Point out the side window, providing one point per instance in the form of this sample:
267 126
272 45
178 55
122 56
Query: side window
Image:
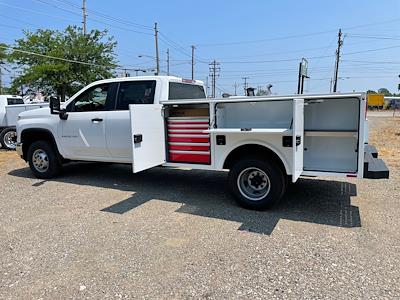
185 91
14 101
94 99
135 92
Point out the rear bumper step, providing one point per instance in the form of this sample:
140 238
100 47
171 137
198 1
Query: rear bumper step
374 167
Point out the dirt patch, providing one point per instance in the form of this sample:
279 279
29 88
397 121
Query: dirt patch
7 155
385 136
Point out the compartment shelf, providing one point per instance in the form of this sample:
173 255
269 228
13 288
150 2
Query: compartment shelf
331 133
252 130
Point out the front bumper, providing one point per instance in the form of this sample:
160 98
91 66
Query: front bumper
19 150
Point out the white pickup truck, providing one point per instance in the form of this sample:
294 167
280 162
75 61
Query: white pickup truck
264 142
10 107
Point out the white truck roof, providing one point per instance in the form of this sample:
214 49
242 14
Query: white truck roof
154 77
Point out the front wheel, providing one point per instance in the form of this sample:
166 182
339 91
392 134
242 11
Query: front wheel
8 138
43 160
256 183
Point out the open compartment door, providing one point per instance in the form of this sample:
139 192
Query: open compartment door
298 138
148 136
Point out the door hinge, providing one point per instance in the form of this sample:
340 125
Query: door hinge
298 140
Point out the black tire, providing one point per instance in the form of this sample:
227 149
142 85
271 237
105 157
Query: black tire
253 173
44 152
5 135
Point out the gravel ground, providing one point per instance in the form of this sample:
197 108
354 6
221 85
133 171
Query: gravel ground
100 231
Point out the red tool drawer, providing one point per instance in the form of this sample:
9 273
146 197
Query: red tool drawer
187 142
184 138
189 146
189 156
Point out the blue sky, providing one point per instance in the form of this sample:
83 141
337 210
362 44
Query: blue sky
262 40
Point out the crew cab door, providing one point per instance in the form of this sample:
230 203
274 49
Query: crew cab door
118 129
82 134
148 136
298 138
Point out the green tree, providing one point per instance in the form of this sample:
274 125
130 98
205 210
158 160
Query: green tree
36 55
3 53
384 91
371 92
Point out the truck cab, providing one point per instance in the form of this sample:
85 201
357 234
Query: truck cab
96 126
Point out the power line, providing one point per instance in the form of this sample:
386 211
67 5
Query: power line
361 36
372 62
17 20
372 50
10 26
92 18
57 58
294 36
103 15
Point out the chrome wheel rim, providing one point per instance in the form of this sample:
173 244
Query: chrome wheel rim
10 139
40 160
254 183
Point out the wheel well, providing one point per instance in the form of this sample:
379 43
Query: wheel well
29 136
253 149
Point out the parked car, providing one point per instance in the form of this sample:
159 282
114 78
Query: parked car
10 107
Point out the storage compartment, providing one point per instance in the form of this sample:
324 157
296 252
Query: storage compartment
331 135
187 141
330 154
265 114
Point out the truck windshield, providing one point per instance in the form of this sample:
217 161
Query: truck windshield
185 91
13 101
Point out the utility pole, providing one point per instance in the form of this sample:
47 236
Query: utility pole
84 16
193 47
236 85
168 61
214 72
340 43
157 54
245 84
1 81
207 88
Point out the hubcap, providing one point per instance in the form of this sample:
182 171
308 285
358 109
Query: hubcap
10 139
253 183
40 160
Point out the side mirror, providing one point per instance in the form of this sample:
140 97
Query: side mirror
55 105
55 108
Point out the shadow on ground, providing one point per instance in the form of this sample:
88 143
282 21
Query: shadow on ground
205 193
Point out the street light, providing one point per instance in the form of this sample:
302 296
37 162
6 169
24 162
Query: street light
149 56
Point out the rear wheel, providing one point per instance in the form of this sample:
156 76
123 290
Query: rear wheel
256 183
44 160
8 138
